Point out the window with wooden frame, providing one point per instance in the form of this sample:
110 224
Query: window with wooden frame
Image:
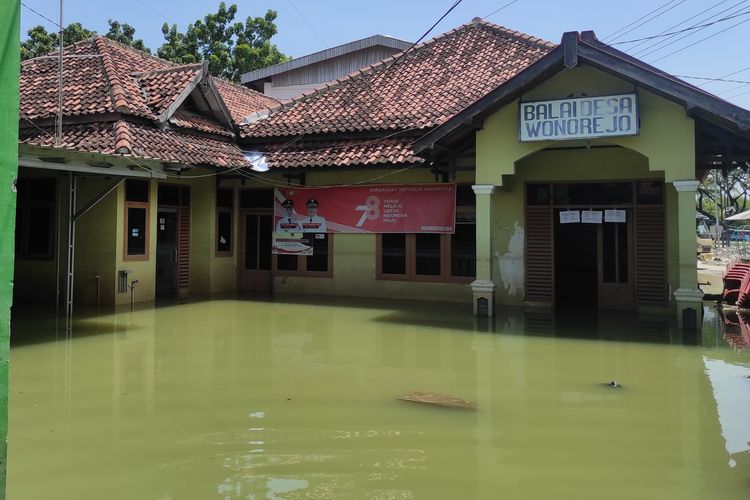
136 219
431 256
35 218
319 264
224 219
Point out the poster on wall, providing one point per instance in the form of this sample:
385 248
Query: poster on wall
591 216
384 208
284 243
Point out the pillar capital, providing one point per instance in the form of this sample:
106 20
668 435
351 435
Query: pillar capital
483 188
686 186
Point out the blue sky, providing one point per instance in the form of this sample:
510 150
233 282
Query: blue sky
339 21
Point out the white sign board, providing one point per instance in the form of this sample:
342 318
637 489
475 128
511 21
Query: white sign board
591 216
570 217
578 118
614 216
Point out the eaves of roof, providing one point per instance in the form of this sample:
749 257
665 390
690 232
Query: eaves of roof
585 48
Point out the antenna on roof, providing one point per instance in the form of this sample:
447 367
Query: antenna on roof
58 127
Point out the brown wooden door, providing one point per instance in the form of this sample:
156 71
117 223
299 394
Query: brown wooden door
255 260
615 268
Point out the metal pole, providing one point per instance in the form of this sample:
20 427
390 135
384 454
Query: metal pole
71 250
58 128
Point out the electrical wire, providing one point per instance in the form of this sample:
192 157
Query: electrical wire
711 79
661 44
639 19
647 21
724 76
681 22
501 8
41 15
701 40
653 37
312 28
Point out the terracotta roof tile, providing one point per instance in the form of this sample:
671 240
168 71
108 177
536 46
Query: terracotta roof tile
145 142
196 122
242 101
161 88
342 153
422 89
101 77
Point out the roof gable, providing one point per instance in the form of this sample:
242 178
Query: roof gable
585 48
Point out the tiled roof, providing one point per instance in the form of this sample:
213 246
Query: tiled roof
192 121
161 88
140 141
344 153
102 78
242 101
420 90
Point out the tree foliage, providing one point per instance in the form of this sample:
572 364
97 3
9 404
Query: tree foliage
231 48
724 193
41 42
125 34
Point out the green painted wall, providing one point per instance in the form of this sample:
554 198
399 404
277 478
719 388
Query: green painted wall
664 149
9 77
96 235
142 270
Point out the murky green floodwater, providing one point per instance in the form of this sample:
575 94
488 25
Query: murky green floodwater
233 399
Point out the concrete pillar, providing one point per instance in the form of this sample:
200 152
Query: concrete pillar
688 295
483 287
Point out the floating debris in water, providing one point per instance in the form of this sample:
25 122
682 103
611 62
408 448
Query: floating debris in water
430 398
614 384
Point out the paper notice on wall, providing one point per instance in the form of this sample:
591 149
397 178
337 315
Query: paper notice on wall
614 216
591 216
570 216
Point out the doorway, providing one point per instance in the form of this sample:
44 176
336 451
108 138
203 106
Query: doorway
256 230
166 253
593 264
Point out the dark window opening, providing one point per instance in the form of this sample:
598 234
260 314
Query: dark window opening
225 198
136 227
35 218
169 194
224 231
136 190
393 254
463 250
256 198
427 254
318 261
286 262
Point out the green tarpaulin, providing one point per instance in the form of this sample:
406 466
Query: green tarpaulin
9 76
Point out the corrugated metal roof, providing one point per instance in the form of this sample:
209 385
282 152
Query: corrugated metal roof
373 41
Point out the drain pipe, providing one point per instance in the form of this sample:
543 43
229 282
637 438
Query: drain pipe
98 280
132 294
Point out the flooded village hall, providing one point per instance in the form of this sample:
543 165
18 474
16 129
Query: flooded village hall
224 293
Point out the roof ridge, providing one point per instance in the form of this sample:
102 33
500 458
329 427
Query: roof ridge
117 92
359 73
143 53
519 35
154 72
123 138
371 68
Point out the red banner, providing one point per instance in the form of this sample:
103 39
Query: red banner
385 208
